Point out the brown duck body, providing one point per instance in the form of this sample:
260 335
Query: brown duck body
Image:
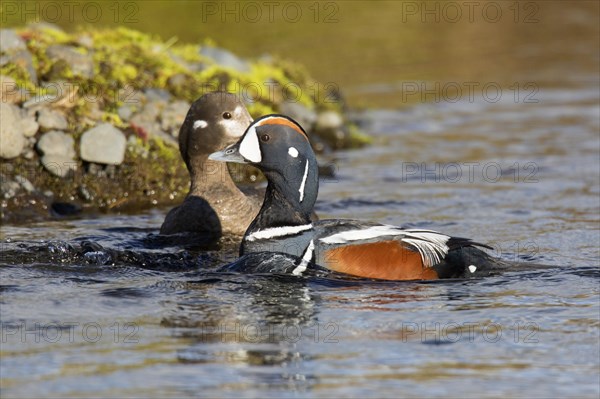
214 204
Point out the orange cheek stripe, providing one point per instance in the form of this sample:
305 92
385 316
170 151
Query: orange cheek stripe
386 260
282 121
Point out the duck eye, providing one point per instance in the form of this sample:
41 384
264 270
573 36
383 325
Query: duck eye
264 138
226 115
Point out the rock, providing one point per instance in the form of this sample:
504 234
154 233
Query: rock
9 91
79 63
152 110
104 144
58 152
328 120
133 101
12 140
86 41
157 95
146 129
56 143
225 58
28 154
10 42
125 112
94 113
59 165
189 65
9 188
24 61
130 96
23 182
26 123
179 81
145 125
57 91
39 101
71 209
51 120
301 113
172 117
29 126
329 127
148 114
98 170
84 193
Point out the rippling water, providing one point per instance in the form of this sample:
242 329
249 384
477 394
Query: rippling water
104 307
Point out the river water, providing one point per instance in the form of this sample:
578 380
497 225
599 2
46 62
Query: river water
103 307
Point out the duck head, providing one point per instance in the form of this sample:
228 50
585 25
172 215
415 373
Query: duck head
214 121
279 147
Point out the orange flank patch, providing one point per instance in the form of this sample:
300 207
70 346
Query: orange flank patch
277 120
386 260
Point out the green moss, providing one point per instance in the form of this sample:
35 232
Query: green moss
52 35
114 119
20 75
188 52
357 137
124 59
165 151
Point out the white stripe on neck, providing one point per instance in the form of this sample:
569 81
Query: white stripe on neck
277 232
305 259
301 189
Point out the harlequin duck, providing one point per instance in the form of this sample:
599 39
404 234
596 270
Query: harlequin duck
214 204
279 147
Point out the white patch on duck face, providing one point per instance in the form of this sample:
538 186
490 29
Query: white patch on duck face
293 152
472 268
301 189
274 232
200 124
249 147
431 245
308 254
237 124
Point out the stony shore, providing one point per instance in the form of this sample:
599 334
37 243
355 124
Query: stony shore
89 120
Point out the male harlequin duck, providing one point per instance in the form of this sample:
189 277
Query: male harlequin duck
279 147
214 203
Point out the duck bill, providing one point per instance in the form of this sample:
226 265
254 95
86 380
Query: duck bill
229 154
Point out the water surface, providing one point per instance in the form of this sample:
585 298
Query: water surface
104 307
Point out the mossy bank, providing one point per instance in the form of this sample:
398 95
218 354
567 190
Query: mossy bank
90 119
